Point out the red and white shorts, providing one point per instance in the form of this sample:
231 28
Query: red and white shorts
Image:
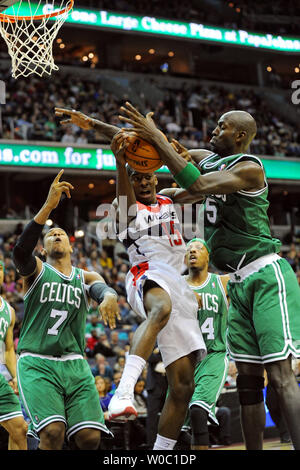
182 334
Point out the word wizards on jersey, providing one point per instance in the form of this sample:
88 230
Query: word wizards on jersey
237 228
155 235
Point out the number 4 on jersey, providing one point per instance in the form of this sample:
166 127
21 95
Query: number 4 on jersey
208 328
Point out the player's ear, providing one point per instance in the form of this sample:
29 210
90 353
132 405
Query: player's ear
155 180
241 136
44 252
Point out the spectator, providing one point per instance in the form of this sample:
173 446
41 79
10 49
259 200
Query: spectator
104 396
95 325
105 260
231 375
119 365
101 367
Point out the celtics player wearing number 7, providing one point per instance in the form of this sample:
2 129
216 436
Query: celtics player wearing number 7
55 381
11 416
263 316
211 372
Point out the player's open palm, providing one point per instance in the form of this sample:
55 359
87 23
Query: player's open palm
75 117
109 310
143 126
56 189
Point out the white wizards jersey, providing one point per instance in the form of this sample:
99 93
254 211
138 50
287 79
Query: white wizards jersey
154 235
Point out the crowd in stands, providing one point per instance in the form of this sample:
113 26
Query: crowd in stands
188 114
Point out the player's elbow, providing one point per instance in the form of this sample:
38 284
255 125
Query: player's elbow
197 188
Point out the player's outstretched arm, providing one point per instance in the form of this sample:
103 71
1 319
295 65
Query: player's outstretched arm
194 155
174 155
247 176
85 122
125 193
28 265
105 296
181 196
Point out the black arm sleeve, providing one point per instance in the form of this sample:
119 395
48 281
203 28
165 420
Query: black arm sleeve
98 289
23 258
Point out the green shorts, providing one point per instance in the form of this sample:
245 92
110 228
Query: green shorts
264 315
210 376
10 406
59 390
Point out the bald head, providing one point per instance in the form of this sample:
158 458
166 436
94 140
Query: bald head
234 133
242 121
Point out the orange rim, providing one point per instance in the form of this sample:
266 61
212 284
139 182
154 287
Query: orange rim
13 19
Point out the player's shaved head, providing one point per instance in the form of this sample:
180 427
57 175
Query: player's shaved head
242 121
234 132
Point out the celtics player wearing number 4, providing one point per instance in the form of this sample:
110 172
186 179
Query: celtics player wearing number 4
11 416
55 381
263 317
210 373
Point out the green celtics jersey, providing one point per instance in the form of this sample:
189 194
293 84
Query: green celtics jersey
5 321
237 228
212 315
56 307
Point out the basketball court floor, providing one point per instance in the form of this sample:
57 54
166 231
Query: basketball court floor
269 444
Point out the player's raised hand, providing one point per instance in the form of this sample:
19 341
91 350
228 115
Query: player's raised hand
118 145
56 189
109 310
74 117
143 126
181 150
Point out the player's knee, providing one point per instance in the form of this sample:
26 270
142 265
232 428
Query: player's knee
19 430
182 389
280 375
160 313
87 439
250 389
53 436
200 435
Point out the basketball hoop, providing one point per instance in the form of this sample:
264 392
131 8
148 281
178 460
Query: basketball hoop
30 37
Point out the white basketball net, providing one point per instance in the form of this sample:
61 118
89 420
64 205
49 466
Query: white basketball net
30 40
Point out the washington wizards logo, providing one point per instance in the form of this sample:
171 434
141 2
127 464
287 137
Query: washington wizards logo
222 167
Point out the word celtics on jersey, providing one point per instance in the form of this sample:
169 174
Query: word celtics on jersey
236 225
56 307
5 321
212 315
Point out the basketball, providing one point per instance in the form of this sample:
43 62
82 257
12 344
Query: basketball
142 156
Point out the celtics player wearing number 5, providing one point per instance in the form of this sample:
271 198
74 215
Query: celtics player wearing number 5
263 316
11 416
210 373
55 381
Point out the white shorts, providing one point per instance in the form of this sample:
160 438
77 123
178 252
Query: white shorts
181 335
